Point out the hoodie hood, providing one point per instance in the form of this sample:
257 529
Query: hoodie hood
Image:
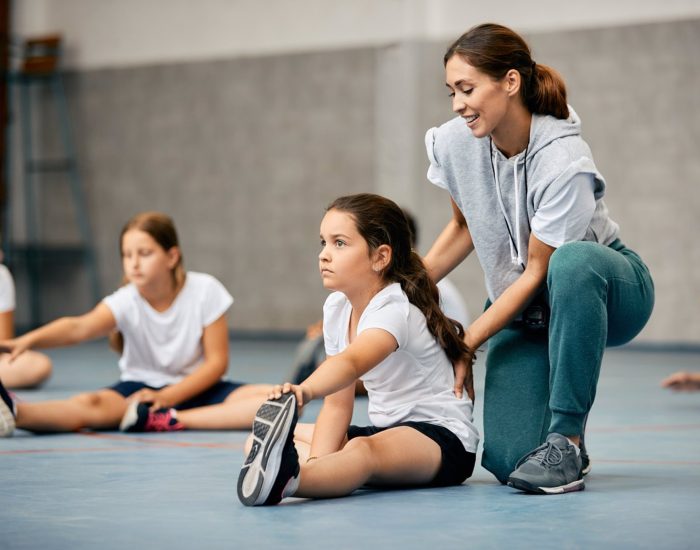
499 197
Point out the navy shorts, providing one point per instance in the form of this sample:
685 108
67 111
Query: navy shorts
457 463
213 396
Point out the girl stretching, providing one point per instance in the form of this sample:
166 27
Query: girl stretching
383 325
174 341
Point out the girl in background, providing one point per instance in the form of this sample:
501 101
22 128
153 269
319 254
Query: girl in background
32 368
175 349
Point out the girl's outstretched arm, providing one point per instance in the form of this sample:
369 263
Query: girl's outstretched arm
369 348
209 372
65 331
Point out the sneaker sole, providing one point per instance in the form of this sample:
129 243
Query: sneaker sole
523 485
7 420
270 430
587 469
130 417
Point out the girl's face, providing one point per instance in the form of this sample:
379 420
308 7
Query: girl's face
479 99
146 264
345 261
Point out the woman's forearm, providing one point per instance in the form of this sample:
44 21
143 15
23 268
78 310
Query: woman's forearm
503 310
450 249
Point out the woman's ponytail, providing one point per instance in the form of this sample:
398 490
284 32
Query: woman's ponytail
546 92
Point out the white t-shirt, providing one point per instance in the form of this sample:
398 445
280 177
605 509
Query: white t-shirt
416 381
7 290
161 348
451 302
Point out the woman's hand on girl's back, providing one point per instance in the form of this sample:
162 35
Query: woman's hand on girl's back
464 377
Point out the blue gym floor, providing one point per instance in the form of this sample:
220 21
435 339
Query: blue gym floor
111 490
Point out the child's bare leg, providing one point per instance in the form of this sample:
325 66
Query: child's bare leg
30 369
102 409
399 456
235 413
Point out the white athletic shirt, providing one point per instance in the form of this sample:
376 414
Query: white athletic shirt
161 348
416 381
451 302
7 290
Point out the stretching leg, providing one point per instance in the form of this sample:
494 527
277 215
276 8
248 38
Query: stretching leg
236 412
100 410
399 456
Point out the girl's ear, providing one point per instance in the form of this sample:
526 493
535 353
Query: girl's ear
173 256
512 82
382 258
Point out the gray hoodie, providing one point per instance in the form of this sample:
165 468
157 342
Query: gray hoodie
501 217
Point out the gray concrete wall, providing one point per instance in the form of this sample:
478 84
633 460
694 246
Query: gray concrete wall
245 153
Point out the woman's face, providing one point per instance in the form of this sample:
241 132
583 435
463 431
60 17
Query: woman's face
478 98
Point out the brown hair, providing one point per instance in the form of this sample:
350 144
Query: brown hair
380 221
162 229
494 49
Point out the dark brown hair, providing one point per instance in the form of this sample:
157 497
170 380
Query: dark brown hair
162 229
380 221
494 49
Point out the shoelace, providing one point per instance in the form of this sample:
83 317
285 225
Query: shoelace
549 454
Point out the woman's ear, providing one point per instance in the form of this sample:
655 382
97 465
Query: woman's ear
513 81
382 258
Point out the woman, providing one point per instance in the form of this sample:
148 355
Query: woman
527 197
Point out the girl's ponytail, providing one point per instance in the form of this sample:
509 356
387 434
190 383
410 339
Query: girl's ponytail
423 293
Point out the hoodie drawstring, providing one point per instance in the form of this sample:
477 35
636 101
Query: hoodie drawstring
515 253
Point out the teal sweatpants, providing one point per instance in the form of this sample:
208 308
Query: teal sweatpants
538 382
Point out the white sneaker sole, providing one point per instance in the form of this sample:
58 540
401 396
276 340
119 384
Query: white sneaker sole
130 416
7 420
521 485
270 430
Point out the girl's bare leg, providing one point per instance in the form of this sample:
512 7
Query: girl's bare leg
28 370
236 412
98 410
398 456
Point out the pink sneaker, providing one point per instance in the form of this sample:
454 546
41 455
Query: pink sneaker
138 418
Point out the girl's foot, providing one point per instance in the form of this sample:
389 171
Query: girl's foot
271 470
7 413
139 418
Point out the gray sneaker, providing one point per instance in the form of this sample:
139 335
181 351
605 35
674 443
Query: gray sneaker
585 459
552 468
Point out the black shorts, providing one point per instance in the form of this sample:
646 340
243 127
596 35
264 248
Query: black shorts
213 396
457 463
